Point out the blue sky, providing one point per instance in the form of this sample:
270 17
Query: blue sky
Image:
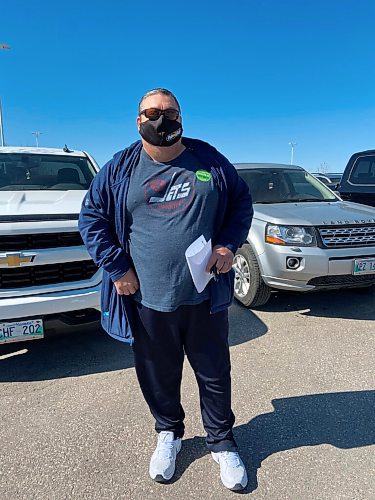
250 75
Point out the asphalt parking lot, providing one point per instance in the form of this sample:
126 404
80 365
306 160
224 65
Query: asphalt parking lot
74 424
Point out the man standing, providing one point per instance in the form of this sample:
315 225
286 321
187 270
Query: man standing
143 209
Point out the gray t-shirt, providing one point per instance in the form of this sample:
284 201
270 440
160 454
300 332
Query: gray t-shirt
169 205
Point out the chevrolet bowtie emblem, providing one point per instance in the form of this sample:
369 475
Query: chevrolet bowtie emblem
15 259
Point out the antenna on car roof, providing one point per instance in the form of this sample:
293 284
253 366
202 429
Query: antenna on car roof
67 150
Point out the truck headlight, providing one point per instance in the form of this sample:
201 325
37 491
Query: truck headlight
290 235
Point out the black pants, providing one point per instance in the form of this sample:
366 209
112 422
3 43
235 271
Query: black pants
160 341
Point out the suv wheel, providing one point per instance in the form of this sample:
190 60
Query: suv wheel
249 287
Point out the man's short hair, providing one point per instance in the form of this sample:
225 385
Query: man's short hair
155 92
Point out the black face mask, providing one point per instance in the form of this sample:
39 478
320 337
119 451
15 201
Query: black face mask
161 132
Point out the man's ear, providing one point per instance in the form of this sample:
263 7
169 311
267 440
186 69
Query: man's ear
138 122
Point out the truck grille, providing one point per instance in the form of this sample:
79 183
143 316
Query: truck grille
342 280
64 272
16 242
347 236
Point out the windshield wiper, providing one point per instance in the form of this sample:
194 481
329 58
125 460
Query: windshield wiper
302 200
297 200
265 202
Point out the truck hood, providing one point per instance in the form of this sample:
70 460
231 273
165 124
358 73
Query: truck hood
315 213
40 202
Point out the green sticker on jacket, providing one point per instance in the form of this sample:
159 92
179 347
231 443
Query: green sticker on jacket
203 175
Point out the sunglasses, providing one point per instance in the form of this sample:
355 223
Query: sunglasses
155 113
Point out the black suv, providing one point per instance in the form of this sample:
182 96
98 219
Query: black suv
358 181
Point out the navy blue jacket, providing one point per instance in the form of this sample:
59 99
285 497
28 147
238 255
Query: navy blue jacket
102 224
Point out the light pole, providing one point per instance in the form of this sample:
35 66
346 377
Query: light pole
2 46
37 134
1 125
292 144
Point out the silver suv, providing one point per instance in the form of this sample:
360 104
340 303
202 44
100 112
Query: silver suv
303 237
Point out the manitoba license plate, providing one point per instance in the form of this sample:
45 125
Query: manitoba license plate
21 330
364 266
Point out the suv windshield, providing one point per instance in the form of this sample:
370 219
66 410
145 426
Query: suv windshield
278 185
27 172
363 171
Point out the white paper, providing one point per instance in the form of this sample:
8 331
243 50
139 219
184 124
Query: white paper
197 256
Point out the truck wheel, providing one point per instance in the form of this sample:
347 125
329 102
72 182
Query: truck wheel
249 287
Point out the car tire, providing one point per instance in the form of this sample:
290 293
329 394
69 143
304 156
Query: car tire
249 287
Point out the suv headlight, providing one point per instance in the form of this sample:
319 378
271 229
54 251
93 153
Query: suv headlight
290 235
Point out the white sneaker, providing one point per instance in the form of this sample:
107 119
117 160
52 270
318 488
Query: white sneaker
232 470
163 460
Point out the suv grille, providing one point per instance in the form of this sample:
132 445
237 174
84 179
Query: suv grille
343 280
347 236
22 277
16 242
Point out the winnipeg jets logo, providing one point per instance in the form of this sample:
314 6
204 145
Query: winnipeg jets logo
175 192
171 196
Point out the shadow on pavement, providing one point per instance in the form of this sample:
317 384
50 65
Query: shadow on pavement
345 303
73 355
343 419
85 353
244 325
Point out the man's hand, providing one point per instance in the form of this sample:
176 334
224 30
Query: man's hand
222 257
128 284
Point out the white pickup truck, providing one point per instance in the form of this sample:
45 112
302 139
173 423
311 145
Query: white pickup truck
48 282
